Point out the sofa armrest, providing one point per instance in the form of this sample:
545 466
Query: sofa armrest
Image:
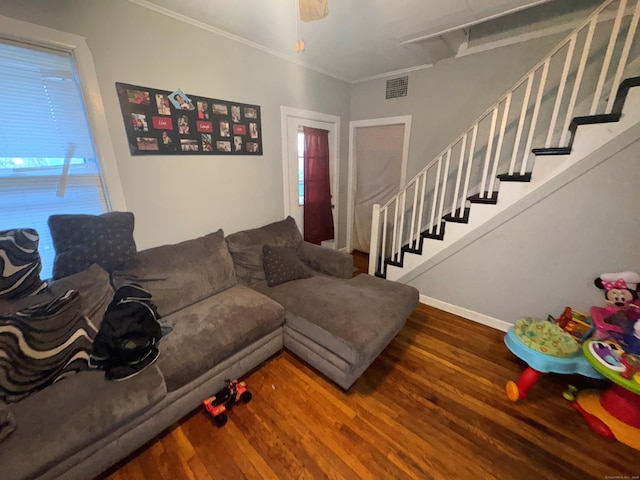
326 260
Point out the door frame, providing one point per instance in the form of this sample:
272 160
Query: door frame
351 187
333 125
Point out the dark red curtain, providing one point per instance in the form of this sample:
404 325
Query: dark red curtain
318 217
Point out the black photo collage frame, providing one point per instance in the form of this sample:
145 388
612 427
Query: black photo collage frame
202 126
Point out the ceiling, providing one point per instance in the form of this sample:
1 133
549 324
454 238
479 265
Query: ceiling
358 40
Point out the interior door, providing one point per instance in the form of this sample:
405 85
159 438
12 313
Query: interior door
378 159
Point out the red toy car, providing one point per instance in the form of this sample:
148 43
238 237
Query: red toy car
225 399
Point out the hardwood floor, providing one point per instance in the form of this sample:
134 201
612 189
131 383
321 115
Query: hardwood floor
432 406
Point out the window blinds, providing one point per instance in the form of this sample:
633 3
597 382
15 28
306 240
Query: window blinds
42 117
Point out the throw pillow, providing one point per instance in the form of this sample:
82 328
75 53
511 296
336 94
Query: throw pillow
42 344
281 264
82 240
20 264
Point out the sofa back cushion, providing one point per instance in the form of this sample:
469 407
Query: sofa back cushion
182 274
246 247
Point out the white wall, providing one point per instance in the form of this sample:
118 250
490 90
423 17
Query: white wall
447 98
179 197
547 257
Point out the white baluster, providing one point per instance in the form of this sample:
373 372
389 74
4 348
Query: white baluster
534 116
607 56
401 229
375 239
435 197
503 127
560 93
578 81
523 114
465 190
456 190
487 159
445 177
633 25
413 216
421 211
395 229
383 254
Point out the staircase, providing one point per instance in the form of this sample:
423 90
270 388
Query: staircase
567 106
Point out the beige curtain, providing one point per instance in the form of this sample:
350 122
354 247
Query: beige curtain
378 165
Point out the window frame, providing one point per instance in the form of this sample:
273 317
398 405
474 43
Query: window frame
28 33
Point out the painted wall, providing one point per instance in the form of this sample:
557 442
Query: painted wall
175 197
445 99
547 257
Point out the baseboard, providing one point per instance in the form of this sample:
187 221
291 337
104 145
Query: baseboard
470 314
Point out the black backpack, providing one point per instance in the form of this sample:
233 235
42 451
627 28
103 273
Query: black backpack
127 340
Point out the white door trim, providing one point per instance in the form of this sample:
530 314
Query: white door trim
287 113
351 187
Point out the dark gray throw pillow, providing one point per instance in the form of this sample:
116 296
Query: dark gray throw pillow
82 240
281 264
20 264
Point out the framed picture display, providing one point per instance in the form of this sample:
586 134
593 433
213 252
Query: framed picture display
162 122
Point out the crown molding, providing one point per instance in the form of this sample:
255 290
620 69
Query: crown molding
236 38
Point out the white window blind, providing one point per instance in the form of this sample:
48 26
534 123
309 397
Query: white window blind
42 120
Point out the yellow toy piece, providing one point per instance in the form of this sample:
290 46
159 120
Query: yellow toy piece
513 393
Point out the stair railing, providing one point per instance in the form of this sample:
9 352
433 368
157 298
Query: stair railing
444 185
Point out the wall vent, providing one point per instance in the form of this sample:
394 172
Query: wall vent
397 87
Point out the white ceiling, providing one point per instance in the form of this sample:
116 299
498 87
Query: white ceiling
359 39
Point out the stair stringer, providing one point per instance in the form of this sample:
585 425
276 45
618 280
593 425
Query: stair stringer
549 174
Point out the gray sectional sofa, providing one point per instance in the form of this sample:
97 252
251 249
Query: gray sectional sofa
225 321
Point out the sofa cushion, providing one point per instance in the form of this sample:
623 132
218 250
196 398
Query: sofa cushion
246 247
206 333
281 264
63 419
81 240
20 264
182 274
94 288
7 422
351 318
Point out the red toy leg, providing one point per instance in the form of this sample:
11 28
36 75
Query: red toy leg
526 381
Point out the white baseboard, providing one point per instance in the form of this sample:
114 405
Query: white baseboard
470 314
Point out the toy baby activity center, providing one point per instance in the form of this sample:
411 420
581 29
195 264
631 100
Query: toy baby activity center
603 345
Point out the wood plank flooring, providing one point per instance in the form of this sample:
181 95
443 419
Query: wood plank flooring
432 406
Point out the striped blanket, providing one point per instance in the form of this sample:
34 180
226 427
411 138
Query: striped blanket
42 344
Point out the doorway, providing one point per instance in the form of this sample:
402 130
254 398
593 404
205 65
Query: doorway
378 154
293 121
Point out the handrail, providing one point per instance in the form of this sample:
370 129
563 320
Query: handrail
555 50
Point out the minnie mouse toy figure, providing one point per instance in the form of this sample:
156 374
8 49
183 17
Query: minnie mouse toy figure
621 318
